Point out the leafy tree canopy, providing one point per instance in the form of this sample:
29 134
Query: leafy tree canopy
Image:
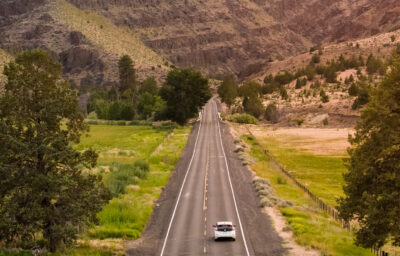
127 74
372 190
185 92
228 90
42 187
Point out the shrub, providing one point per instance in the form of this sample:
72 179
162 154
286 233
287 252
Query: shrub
325 121
271 113
315 59
324 97
242 118
393 38
300 122
284 94
353 90
92 115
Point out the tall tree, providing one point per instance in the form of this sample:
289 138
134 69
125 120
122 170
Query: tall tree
185 92
372 190
127 75
228 90
42 186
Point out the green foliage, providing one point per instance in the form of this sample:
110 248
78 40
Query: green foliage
353 89
372 187
283 78
253 106
393 38
242 118
42 187
148 104
228 90
284 94
250 89
150 86
184 92
122 175
127 74
363 89
375 65
330 74
271 113
316 59
324 96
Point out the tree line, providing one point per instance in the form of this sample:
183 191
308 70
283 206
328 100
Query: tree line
46 197
178 99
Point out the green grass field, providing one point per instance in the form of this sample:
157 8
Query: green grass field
321 173
127 214
311 227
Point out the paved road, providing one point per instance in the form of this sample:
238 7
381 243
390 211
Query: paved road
206 196
209 184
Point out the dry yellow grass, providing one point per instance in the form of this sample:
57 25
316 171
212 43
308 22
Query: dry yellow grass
4 58
101 32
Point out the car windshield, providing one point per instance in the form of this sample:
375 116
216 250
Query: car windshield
224 228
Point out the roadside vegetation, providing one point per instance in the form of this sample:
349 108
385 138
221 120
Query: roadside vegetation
311 227
117 169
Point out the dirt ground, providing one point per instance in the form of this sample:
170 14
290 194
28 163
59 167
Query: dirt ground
318 141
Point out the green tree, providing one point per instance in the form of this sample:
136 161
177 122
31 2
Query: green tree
253 106
250 89
184 92
148 104
271 113
372 187
127 74
43 189
228 90
353 90
150 86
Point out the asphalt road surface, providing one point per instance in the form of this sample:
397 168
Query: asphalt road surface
209 185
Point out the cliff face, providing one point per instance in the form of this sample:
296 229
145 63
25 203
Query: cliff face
238 37
218 37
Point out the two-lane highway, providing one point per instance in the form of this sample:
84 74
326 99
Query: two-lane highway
206 196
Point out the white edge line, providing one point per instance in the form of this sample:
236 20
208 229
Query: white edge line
230 183
180 192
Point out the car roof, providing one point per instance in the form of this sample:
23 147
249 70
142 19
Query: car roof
224 223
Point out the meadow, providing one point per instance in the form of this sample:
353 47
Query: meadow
135 162
311 227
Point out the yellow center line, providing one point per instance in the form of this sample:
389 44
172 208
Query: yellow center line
205 199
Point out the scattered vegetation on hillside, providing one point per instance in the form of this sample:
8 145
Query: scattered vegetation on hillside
101 32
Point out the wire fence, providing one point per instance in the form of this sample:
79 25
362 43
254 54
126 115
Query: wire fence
321 204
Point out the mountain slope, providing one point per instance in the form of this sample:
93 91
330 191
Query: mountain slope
241 36
218 37
87 44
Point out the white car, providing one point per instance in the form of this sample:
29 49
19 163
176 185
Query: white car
224 230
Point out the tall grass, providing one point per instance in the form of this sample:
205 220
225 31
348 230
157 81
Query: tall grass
311 227
127 214
122 175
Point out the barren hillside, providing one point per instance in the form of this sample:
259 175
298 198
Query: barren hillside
218 37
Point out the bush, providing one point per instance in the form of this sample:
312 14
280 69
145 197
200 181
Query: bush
324 97
353 90
271 113
242 119
325 122
315 59
92 115
284 94
253 106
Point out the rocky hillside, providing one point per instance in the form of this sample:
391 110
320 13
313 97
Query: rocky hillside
241 36
219 37
86 43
